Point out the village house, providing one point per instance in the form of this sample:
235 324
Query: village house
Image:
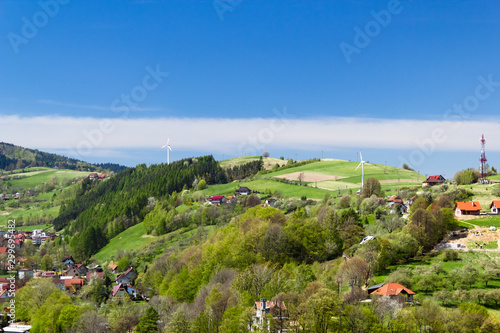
270 202
395 203
217 200
94 275
73 285
467 208
25 273
127 277
392 289
76 270
68 261
276 309
243 191
495 207
122 290
434 180
112 267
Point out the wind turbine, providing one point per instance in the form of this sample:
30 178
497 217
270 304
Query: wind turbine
167 146
362 163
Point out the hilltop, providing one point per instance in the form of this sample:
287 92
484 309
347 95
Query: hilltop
15 157
315 178
269 162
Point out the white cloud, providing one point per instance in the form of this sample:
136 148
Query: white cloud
91 136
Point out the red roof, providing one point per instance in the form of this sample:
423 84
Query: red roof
217 197
435 177
494 202
471 206
125 273
392 289
271 305
3 249
395 198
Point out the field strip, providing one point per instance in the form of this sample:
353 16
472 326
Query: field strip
308 177
400 181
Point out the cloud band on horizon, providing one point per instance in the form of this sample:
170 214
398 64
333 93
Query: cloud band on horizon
84 135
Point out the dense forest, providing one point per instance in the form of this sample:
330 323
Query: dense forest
101 210
14 157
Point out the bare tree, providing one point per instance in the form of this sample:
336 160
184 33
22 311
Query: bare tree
300 177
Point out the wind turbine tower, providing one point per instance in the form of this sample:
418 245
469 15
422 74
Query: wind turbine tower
483 171
362 163
167 146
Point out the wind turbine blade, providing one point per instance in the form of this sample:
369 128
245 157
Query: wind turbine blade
168 141
169 148
358 166
360 156
163 146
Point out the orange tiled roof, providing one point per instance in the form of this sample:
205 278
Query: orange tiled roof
392 288
469 206
496 203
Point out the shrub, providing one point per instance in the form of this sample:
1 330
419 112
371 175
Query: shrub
451 255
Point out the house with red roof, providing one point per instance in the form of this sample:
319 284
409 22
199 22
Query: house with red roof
217 200
433 180
126 277
263 308
495 207
467 208
393 289
123 290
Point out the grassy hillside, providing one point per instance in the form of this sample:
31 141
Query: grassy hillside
347 170
263 185
135 238
29 178
46 184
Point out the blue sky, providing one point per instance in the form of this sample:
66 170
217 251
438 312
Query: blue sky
111 80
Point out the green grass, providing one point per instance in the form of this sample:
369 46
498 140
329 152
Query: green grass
23 213
47 227
29 180
347 169
132 239
126 240
489 221
263 185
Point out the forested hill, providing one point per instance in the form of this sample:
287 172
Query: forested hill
15 157
101 210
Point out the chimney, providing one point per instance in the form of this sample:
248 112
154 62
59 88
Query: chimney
473 204
262 304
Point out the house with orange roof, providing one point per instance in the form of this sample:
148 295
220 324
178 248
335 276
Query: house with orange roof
73 285
467 208
495 207
393 289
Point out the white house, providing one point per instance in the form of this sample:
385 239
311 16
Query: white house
495 207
